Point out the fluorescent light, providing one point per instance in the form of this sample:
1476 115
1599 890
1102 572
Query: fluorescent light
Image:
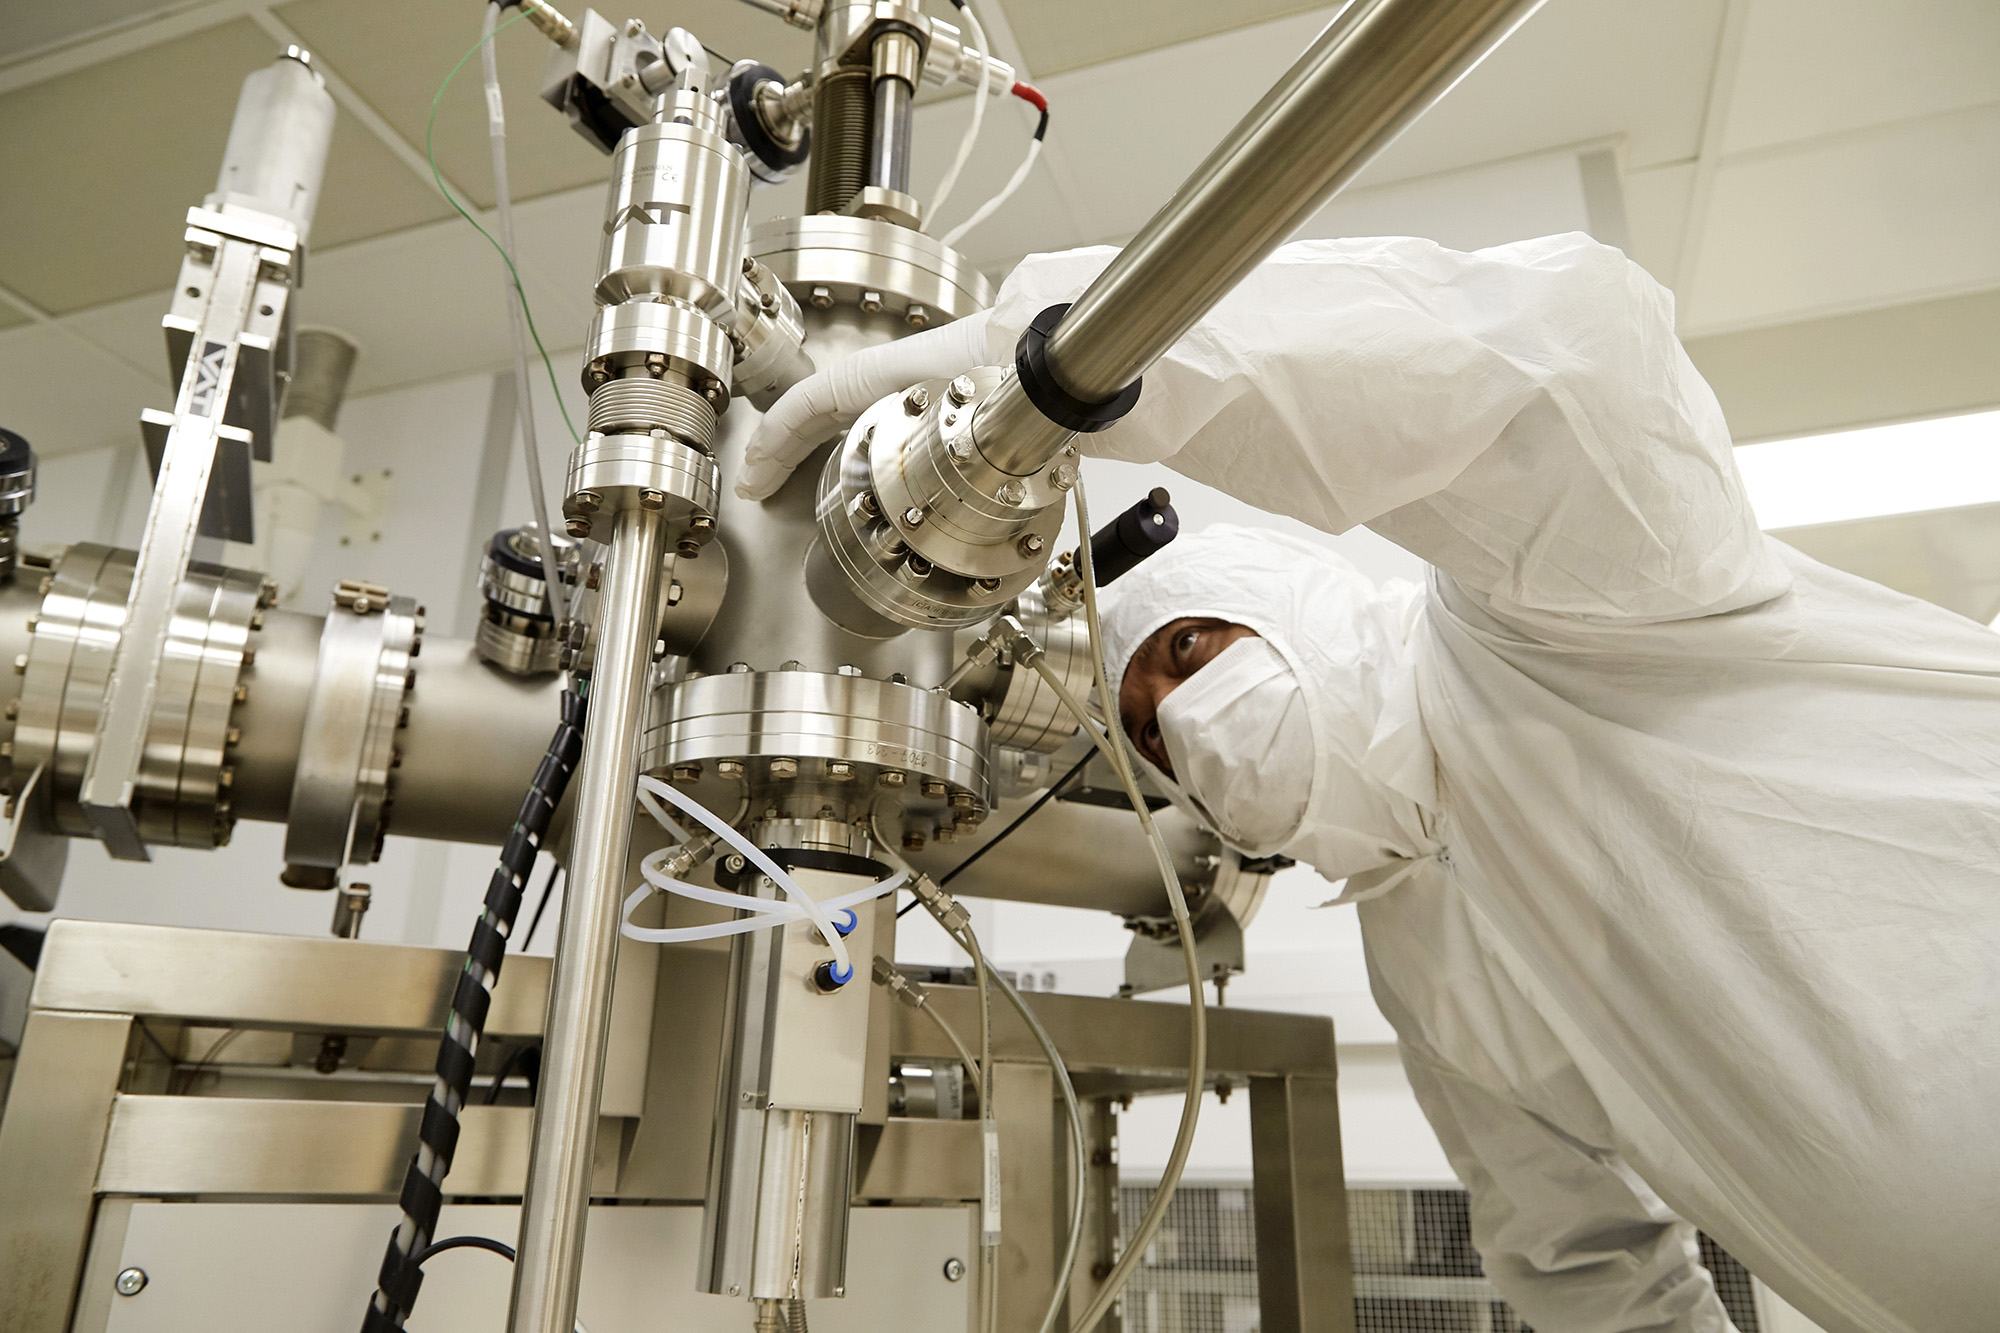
1944 463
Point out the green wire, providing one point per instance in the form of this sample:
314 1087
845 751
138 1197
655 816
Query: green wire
430 151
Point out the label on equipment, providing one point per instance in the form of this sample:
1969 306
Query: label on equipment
989 1206
207 379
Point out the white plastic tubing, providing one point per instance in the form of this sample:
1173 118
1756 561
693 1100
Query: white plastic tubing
764 913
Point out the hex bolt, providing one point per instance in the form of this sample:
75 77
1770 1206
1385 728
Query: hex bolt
918 317
225 777
791 664
1063 477
1031 544
13 709
916 400
784 768
688 548
913 842
768 303
652 501
1011 493
702 525
871 303
961 800
913 516
987 585
256 621
934 789
232 738
687 772
845 670
588 502
729 768
839 769
870 505
130 1282
893 778
961 448
738 668
920 567
960 390
20 664
577 527
820 298
594 575
749 266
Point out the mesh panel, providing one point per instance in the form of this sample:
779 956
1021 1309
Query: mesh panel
1415 1270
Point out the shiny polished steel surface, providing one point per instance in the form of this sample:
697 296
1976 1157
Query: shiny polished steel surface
769 337
344 784
917 529
182 791
769 617
681 476
807 744
790 1081
1378 66
550 1249
227 333
910 274
1024 712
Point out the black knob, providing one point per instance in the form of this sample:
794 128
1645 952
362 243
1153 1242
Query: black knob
1118 547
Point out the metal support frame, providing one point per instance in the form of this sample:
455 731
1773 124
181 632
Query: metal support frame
86 1125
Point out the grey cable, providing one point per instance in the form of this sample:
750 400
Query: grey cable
1112 741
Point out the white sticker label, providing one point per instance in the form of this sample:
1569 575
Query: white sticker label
989 1211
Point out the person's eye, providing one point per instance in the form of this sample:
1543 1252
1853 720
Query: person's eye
1184 645
1149 735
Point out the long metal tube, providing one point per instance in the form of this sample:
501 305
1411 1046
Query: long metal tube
889 145
549 1262
1377 67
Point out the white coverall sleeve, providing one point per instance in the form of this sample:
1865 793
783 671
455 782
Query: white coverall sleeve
1570 1235
1523 418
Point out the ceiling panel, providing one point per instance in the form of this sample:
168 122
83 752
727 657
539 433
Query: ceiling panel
1906 212
120 152
396 54
26 26
1060 35
1816 67
1656 204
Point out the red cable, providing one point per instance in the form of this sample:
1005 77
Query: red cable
1033 96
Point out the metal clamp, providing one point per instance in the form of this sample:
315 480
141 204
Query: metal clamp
344 787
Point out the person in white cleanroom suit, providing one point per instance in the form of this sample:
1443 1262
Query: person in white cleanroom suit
1678 854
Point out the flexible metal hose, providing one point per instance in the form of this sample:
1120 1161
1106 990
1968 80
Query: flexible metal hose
437 1135
838 168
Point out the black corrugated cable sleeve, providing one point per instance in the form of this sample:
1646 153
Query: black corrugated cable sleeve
437 1135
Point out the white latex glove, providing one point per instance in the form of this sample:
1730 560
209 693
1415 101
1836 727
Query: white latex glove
829 400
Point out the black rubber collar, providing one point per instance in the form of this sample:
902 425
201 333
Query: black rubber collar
1058 404
743 83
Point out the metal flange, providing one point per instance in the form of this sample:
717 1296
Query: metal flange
344 787
791 744
917 530
181 796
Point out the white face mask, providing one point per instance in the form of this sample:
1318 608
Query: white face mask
1242 746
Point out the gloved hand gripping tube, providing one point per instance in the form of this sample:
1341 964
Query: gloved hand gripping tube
437 1134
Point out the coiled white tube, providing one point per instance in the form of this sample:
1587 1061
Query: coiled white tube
764 912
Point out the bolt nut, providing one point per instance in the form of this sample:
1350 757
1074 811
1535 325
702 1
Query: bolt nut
1011 493
586 502
913 517
577 527
987 585
839 769
918 317
961 800
893 778
729 768
1063 477
784 768
960 448
870 505
688 548
916 400
701 525
652 500
934 789
913 842
871 302
845 670
687 772
820 298
960 390
1031 544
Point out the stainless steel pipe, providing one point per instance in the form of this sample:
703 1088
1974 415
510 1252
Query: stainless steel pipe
549 1257
1378 66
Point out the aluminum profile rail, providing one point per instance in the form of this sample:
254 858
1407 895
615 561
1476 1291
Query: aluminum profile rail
1377 67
